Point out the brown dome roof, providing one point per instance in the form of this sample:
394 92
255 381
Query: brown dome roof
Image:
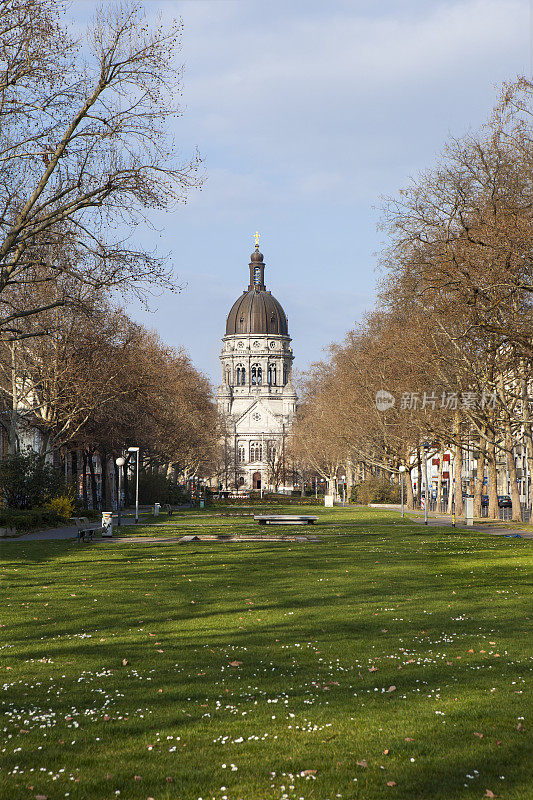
256 311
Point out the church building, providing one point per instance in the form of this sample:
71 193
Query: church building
256 398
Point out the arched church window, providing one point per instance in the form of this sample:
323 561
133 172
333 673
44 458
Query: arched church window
284 374
242 454
271 374
228 376
240 375
256 375
273 325
255 451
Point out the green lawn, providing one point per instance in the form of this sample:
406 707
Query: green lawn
388 661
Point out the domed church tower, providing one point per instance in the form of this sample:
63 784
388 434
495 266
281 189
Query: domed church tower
256 397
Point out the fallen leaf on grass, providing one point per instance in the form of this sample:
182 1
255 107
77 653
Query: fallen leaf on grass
235 663
391 783
41 797
391 689
159 650
362 763
520 727
408 739
137 778
309 772
386 752
488 793
125 662
372 669
479 735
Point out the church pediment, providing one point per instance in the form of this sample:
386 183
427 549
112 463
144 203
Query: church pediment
258 418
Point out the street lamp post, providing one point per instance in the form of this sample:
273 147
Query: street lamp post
316 488
136 450
343 479
426 448
120 461
401 470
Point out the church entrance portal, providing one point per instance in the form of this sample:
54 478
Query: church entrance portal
256 478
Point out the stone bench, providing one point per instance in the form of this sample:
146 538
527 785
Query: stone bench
284 519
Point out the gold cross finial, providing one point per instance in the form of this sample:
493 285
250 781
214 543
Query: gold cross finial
257 235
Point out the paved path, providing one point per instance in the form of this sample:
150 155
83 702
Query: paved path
67 532
444 521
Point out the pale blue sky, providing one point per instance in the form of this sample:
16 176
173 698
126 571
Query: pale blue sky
306 113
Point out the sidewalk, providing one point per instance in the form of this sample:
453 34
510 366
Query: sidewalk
444 521
67 532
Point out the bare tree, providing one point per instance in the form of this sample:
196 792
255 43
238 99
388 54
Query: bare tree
84 152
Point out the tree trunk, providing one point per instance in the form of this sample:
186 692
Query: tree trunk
457 476
409 489
94 488
493 480
439 482
480 474
85 499
117 493
126 482
528 441
105 482
511 466
419 478
349 479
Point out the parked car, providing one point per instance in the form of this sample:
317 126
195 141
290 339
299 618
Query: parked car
504 501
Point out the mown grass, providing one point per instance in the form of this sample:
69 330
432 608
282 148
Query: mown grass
405 649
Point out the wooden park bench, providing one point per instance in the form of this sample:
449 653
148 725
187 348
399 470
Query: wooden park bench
85 529
285 519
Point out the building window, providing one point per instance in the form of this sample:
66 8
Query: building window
242 454
228 377
272 452
271 374
255 451
256 375
241 375
284 374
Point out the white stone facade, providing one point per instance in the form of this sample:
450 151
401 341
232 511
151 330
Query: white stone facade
256 398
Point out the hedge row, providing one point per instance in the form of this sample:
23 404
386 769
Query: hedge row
29 519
